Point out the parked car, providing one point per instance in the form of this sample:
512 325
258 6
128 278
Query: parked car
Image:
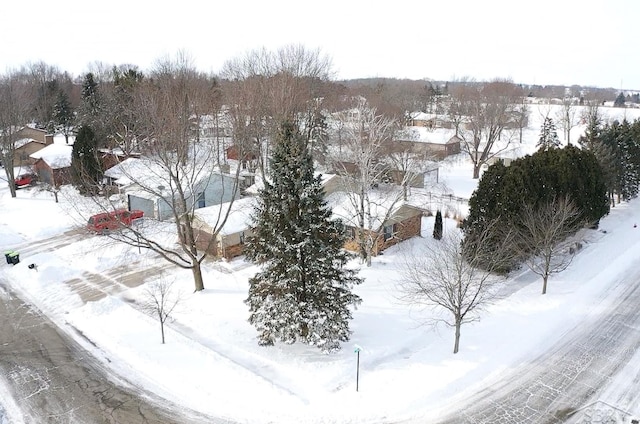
24 180
103 223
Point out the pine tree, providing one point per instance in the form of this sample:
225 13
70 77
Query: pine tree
303 292
63 115
548 135
85 167
620 100
437 228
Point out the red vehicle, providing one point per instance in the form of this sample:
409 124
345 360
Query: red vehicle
106 222
23 180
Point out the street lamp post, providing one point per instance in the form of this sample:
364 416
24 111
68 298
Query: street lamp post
357 351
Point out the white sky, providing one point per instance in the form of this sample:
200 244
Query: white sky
544 42
212 363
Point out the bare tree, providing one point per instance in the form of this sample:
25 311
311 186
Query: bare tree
483 115
362 163
265 88
14 114
447 277
160 301
521 116
544 237
568 117
176 168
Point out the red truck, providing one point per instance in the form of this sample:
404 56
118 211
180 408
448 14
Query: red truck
106 222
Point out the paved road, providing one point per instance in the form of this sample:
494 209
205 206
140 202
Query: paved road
54 380
560 385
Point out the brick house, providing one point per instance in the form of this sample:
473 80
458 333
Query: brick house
403 222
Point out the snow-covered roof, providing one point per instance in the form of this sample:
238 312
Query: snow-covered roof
125 172
342 207
24 141
57 156
147 179
423 116
426 135
239 216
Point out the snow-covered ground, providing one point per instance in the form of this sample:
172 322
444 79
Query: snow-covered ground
211 361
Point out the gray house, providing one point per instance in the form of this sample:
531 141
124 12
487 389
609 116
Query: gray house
146 187
212 189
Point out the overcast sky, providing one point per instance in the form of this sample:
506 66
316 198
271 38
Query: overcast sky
534 42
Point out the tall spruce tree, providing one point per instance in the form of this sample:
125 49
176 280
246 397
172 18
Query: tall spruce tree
85 167
548 135
303 292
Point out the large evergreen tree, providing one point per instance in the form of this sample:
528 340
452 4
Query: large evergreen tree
86 171
548 135
533 181
303 292
620 100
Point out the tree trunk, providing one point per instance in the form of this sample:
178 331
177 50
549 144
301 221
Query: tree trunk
476 171
197 276
162 330
544 284
456 345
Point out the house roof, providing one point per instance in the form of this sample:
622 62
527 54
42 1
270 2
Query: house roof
24 141
57 156
381 202
239 216
427 135
423 116
149 176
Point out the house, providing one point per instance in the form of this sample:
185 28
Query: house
230 240
404 221
147 187
428 120
437 142
111 157
29 140
53 164
248 161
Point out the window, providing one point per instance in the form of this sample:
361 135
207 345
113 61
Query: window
389 230
201 201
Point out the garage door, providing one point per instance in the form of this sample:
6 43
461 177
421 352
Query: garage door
144 205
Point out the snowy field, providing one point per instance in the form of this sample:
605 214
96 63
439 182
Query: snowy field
211 361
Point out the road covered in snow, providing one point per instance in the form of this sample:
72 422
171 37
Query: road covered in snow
51 378
592 375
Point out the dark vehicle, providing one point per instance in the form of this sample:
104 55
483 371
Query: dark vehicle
24 180
106 222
